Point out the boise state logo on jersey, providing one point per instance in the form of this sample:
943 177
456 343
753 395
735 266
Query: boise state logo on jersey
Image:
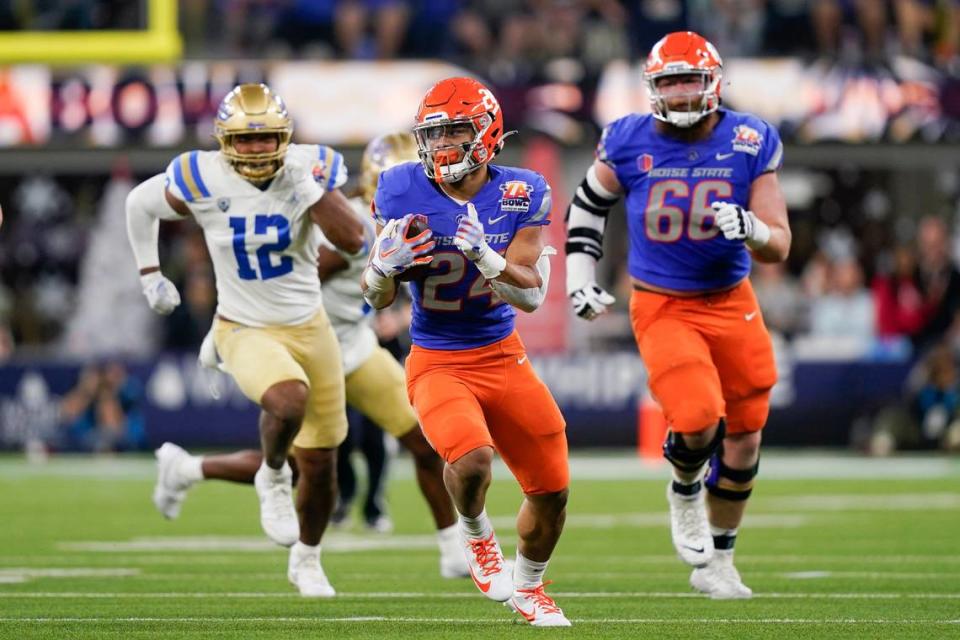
516 196
645 163
747 139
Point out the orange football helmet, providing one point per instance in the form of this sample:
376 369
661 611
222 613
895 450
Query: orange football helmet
450 105
684 53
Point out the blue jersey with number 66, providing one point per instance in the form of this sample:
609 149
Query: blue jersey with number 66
670 184
453 306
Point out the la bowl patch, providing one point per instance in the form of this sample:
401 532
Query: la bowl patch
747 139
516 196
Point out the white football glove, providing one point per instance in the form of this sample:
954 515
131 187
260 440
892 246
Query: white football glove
737 223
590 300
162 295
472 242
469 236
394 253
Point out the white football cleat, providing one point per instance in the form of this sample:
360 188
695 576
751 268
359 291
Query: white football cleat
171 487
720 579
453 564
689 527
381 524
537 607
485 564
306 574
277 515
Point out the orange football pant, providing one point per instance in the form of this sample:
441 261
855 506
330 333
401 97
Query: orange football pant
707 357
491 397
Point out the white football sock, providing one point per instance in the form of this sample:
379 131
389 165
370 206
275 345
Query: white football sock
679 479
191 468
528 573
448 541
478 527
305 550
274 474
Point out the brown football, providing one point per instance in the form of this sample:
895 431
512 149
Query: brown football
417 226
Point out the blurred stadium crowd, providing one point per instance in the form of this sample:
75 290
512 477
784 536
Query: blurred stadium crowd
505 33
866 277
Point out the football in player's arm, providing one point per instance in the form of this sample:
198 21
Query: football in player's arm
520 277
478 227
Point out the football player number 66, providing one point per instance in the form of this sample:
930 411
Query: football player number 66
665 223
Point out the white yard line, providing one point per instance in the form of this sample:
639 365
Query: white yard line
457 595
660 519
492 621
745 559
20 578
621 464
333 543
19 575
599 575
69 572
844 502
168 558
878 575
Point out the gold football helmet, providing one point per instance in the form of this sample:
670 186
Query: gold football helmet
253 108
382 153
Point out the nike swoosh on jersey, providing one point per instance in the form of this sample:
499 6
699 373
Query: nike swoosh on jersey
749 316
496 220
521 360
724 156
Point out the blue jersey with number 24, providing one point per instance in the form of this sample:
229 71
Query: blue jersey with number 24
453 307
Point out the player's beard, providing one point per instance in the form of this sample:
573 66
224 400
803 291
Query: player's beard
697 130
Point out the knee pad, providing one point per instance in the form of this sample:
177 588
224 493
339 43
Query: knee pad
682 457
730 484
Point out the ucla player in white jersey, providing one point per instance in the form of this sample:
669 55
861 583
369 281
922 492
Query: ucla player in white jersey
375 382
257 200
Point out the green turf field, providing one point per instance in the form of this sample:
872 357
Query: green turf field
833 548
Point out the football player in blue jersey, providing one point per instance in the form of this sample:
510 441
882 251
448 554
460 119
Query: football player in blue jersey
702 199
477 227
